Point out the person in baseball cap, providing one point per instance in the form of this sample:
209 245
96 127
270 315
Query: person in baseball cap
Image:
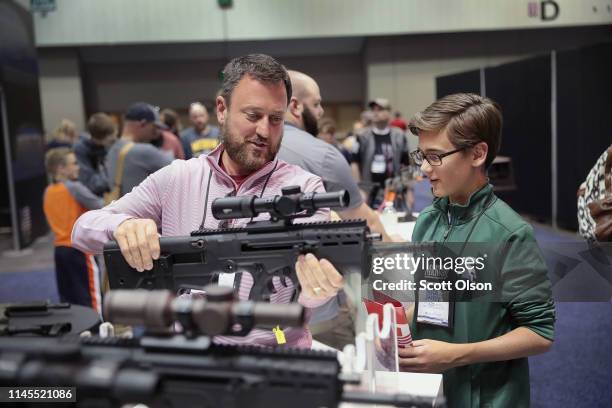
141 111
381 103
380 152
135 149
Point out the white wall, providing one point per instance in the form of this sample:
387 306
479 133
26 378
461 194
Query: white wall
81 22
77 22
61 93
404 69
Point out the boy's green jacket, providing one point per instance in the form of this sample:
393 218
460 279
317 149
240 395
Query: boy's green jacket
516 269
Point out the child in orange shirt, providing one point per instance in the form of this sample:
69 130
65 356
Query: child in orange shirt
76 273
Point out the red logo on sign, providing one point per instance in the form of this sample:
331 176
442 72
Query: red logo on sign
532 9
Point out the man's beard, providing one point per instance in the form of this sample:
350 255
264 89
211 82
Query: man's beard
241 153
382 124
310 122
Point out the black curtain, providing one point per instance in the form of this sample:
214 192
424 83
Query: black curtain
584 91
523 90
23 122
462 82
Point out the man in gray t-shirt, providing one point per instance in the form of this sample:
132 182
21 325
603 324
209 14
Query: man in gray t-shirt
142 159
302 148
314 155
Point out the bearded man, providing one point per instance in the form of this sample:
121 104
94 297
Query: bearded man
177 199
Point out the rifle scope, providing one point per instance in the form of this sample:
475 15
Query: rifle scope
211 316
286 206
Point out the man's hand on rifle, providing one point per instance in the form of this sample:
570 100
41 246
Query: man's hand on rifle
139 242
319 278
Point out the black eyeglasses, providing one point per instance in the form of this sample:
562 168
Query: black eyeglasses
434 159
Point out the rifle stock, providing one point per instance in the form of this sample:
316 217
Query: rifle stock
263 249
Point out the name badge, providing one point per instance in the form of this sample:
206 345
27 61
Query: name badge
379 164
435 301
436 313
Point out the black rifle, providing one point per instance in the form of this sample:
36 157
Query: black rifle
184 371
265 249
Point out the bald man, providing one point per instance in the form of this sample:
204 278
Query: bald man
305 109
201 138
302 148
331 323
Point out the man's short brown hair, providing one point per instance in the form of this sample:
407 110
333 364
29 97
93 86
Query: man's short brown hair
468 119
260 67
100 126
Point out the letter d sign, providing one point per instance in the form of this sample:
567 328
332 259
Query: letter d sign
549 10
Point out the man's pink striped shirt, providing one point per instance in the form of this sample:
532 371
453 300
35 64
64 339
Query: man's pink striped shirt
174 198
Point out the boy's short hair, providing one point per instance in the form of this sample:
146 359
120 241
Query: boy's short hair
100 126
468 118
55 158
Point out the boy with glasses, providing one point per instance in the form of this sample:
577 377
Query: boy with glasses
480 347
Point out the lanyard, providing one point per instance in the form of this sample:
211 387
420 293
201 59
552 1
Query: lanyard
488 203
210 174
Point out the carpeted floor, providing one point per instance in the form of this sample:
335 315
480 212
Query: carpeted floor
28 286
578 370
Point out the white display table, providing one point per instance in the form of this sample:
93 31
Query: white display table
401 229
423 385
